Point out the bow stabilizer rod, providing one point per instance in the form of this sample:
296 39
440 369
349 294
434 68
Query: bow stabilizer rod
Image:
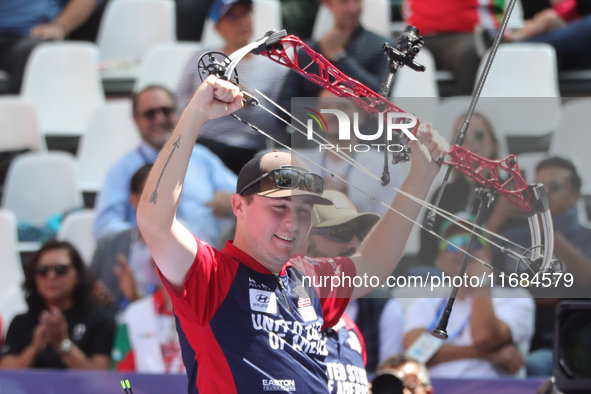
430 218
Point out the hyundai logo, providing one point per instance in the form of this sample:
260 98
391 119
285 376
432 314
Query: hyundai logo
262 298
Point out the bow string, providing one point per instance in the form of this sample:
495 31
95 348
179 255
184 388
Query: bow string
531 199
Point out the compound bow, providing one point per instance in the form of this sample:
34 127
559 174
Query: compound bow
531 199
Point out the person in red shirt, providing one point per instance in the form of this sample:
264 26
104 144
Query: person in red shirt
449 29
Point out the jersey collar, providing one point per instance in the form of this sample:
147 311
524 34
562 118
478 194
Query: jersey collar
247 260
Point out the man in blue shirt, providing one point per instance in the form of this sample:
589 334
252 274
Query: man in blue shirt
205 202
26 23
572 245
572 241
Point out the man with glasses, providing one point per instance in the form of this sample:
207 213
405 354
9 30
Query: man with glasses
571 240
249 318
204 207
572 245
371 328
340 229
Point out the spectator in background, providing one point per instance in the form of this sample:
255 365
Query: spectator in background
122 260
371 160
298 17
451 30
234 142
1 334
190 18
572 245
459 194
26 23
547 20
413 375
63 327
348 46
338 230
572 241
567 27
489 336
205 203
146 340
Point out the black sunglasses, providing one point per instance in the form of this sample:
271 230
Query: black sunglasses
341 234
59 269
151 113
553 186
479 135
289 177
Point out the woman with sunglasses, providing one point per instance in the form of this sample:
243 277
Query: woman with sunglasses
459 194
63 327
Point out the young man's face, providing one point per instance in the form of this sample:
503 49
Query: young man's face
275 228
558 187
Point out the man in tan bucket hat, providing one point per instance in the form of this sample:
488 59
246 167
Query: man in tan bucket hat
338 229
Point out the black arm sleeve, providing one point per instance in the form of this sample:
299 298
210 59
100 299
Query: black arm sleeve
18 337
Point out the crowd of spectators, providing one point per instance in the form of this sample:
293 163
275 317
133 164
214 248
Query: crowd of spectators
72 309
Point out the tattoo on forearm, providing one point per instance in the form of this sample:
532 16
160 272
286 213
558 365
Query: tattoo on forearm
154 195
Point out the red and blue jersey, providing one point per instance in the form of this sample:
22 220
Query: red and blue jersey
244 330
346 359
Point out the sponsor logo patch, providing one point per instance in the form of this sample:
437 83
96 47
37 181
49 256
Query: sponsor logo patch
279 385
263 301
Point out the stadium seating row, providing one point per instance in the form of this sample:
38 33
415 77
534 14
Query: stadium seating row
62 79
40 184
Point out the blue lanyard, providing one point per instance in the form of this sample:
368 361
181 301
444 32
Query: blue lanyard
438 315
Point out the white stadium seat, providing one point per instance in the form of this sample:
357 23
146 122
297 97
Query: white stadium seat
18 125
40 185
62 80
111 134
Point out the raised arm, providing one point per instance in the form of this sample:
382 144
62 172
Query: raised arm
172 246
381 251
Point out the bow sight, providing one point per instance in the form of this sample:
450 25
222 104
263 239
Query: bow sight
409 46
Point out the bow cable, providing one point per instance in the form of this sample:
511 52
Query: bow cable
458 221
